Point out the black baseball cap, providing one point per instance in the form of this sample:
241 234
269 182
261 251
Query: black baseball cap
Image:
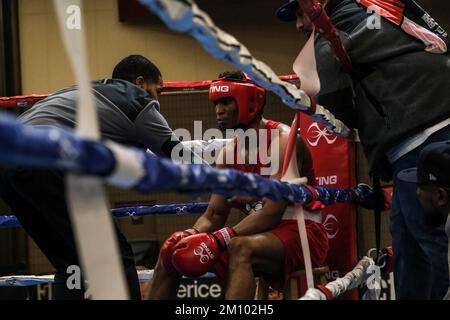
287 12
433 166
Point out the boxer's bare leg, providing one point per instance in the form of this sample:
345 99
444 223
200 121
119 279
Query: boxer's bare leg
263 252
163 285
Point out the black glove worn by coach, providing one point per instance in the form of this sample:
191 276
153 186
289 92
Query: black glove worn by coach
364 195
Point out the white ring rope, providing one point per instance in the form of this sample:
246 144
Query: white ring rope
292 173
351 280
91 222
31 280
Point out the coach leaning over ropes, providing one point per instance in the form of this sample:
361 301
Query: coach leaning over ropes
128 113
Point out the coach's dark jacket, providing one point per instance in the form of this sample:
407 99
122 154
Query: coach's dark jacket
127 115
395 90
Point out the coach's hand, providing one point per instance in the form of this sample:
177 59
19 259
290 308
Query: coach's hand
363 195
195 255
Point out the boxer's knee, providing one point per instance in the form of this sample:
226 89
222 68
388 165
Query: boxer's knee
240 250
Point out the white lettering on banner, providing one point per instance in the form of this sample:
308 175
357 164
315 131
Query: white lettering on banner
331 226
220 89
215 291
328 180
314 134
332 275
195 290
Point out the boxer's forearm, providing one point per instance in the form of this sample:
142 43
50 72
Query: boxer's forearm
208 224
215 215
262 220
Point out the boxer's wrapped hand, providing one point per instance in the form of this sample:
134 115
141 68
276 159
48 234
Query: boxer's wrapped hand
195 255
169 245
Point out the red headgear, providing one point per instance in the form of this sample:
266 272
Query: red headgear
250 99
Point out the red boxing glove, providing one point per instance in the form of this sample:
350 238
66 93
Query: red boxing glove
314 206
195 255
169 245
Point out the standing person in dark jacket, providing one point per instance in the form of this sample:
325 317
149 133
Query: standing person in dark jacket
432 177
128 113
389 98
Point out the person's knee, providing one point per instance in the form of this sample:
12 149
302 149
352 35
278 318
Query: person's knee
240 249
160 272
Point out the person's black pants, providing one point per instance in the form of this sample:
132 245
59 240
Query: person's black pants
37 198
